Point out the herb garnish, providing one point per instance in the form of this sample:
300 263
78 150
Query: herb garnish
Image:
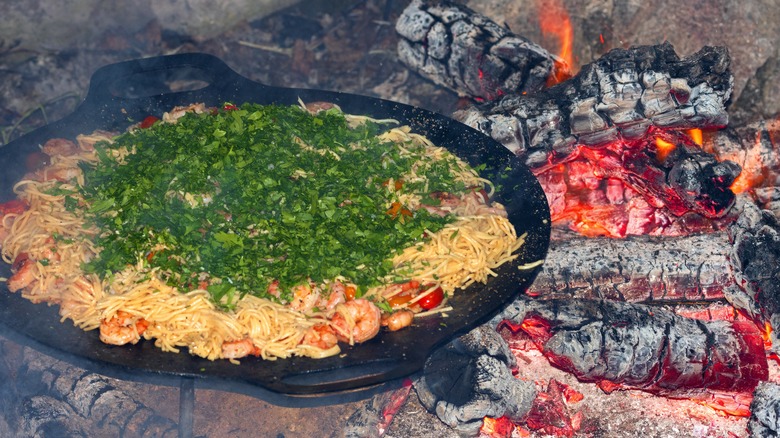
256 194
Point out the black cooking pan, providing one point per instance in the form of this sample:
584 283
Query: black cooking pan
123 93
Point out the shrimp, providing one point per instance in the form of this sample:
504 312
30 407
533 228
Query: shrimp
59 146
24 273
122 328
305 298
316 107
238 349
76 299
363 314
273 289
179 111
398 319
337 296
321 336
58 173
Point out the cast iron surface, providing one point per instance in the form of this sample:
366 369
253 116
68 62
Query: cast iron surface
123 93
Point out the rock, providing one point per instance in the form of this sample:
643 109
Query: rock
43 26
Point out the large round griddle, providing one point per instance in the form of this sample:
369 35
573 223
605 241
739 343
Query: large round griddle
123 93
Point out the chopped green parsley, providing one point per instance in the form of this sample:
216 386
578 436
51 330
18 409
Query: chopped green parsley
257 194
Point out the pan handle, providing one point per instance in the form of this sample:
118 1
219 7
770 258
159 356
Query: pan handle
146 86
347 378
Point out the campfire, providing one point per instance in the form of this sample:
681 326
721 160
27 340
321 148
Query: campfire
659 292
645 209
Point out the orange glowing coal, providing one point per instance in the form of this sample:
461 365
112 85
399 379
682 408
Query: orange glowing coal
753 169
554 22
696 135
496 427
767 335
663 148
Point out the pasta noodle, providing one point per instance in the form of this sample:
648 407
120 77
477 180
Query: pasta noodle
52 238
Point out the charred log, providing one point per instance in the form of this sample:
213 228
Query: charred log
765 411
470 54
48 416
636 269
470 378
613 113
620 97
90 398
642 347
768 198
756 148
755 257
599 206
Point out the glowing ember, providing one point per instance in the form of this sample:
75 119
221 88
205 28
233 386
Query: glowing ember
554 21
663 148
550 413
736 404
496 428
696 135
767 335
753 173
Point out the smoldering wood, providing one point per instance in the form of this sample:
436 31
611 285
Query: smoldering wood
754 147
598 206
471 378
755 256
768 198
637 268
613 111
619 97
642 347
765 411
375 416
85 403
683 180
467 52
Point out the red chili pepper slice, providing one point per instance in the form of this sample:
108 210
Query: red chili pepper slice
148 122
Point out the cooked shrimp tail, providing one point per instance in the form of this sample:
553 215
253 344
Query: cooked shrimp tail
356 321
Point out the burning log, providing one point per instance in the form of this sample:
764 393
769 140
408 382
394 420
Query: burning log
755 257
584 197
616 112
622 345
638 268
470 54
619 98
755 148
620 112
470 378
765 411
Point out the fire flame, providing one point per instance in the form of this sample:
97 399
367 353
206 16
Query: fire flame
753 170
663 148
554 21
767 335
696 135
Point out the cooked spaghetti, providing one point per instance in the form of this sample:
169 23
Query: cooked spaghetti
254 230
